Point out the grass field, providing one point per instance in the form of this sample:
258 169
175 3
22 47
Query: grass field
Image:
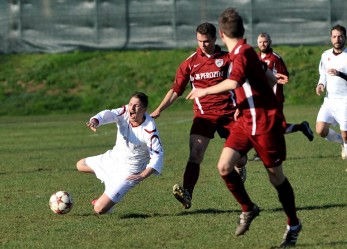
38 156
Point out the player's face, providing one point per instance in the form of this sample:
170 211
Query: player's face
337 39
206 43
263 44
136 110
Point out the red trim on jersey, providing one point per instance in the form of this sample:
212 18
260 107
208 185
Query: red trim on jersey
124 110
151 130
152 137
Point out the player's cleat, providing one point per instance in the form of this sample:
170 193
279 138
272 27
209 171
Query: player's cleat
290 236
242 172
343 153
182 196
245 220
307 130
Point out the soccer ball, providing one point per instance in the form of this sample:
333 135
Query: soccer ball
61 202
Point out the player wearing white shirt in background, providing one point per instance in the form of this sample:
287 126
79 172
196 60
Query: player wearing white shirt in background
137 154
333 78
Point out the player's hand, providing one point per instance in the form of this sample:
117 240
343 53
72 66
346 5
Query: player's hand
281 78
196 93
319 89
155 114
93 124
332 72
137 178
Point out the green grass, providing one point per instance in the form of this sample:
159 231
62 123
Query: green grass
38 156
84 81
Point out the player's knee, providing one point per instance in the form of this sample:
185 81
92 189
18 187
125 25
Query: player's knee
80 165
102 210
224 169
98 210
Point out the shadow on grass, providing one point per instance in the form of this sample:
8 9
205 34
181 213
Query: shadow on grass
219 211
184 213
327 206
318 245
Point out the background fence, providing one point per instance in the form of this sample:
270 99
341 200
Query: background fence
67 25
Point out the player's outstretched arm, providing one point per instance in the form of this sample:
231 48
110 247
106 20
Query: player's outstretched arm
143 175
224 86
169 98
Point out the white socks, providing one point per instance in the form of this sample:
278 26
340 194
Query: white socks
333 136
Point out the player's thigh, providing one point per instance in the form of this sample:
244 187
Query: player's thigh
198 145
325 114
271 148
117 187
82 166
341 115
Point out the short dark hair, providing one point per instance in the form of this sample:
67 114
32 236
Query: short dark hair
142 97
264 34
207 28
231 23
340 28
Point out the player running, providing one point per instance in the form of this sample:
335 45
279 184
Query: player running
215 113
333 78
259 125
275 63
137 154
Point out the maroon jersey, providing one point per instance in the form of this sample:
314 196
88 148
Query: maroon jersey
203 71
276 64
256 100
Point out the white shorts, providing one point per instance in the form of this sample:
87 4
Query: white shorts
333 111
112 174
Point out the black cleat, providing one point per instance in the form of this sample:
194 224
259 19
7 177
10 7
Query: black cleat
307 130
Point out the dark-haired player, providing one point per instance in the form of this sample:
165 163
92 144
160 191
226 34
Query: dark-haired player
259 125
214 113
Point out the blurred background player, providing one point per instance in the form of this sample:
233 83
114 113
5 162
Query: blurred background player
206 67
275 63
137 154
333 78
259 125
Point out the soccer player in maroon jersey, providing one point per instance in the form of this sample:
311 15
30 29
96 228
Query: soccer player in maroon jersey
275 63
206 67
259 125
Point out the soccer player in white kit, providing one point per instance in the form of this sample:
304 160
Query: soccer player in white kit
333 78
137 154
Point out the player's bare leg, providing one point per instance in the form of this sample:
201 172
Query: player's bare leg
103 204
323 129
83 167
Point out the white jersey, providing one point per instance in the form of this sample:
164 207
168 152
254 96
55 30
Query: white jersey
336 87
136 147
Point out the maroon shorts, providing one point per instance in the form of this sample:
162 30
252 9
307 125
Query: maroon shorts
271 147
207 125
